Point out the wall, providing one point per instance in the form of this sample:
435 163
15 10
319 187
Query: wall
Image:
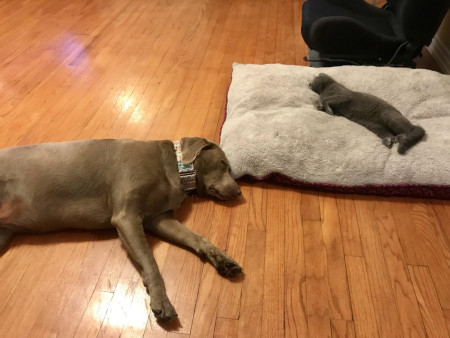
440 46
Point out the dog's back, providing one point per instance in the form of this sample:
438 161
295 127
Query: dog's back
65 185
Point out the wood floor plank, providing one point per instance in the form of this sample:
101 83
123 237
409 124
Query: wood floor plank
53 114
226 328
409 238
262 30
75 306
119 306
257 218
342 328
381 288
316 270
205 316
182 279
107 282
137 314
165 71
233 50
319 326
351 238
295 274
250 311
176 335
310 207
436 252
270 45
211 285
364 312
424 213
218 55
35 285
442 211
36 98
274 266
446 313
409 313
301 49
14 265
253 30
230 296
338 293
66 282
93 317
427 297
167 122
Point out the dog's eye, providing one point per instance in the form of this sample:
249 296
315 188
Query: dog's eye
226 165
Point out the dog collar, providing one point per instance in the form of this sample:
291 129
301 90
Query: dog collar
188 176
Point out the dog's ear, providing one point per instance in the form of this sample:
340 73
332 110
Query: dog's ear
191 147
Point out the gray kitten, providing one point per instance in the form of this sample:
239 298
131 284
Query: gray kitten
367 110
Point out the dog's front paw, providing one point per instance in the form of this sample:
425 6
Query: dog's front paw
229 269
163 309
224 264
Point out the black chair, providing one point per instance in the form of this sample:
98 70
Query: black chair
355 32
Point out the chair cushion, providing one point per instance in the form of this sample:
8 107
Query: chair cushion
350 29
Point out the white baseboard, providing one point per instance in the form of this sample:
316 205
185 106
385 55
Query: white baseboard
440 54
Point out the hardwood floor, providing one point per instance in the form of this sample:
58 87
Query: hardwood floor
316 264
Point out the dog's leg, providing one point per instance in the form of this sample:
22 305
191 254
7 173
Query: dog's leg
168 227
5 236
133 238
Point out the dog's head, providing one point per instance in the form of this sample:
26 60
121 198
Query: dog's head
212 168
320 82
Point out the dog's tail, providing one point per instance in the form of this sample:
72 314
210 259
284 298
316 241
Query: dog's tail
407 140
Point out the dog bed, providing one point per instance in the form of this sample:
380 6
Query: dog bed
272 131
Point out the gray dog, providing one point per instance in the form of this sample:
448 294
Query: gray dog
367 110
126 184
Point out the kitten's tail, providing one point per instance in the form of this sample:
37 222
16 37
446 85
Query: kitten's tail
407 140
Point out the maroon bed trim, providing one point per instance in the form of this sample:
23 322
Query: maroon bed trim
405 190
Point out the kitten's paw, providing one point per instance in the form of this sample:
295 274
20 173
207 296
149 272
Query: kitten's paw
388 141
318 105
328 110
399 138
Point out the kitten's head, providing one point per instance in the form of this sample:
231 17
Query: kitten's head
320 82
